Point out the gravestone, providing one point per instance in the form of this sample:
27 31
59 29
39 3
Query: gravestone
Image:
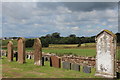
66 65
75 67
10 51
42 61
37 52
21 50
106 52
86 69
55 62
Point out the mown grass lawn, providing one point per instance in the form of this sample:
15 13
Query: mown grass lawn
29 70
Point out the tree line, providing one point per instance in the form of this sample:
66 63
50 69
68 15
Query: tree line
55 38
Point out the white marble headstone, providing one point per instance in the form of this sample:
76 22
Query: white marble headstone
106 51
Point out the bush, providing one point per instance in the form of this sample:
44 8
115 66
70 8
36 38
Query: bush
29 43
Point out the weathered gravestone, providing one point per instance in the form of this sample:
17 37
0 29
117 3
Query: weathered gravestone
21 50
55 62
75 67
86 69
10 51
37 52
66 65
106 52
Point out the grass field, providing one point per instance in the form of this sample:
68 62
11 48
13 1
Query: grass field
73 51
29 70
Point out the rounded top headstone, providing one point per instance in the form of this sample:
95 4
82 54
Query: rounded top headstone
37 42
21 38
10 42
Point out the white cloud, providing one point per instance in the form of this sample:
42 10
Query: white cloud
75 28
29 18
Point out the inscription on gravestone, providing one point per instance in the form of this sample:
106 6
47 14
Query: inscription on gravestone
10 51
37 52
106 52
21 50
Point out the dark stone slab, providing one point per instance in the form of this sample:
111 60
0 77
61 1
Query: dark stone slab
27 56
118 75
50 62
75 67
45 58
86 69
42 61
48 58
66 65
55 62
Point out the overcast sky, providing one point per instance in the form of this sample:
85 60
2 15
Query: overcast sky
34 19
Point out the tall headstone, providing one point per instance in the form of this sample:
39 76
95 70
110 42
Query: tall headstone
10 51
55 62
21 50
37 52
106 54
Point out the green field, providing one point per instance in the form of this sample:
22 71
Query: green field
73 51
29 70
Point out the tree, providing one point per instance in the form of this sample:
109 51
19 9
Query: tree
29 42
72 35
48 36
56 35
